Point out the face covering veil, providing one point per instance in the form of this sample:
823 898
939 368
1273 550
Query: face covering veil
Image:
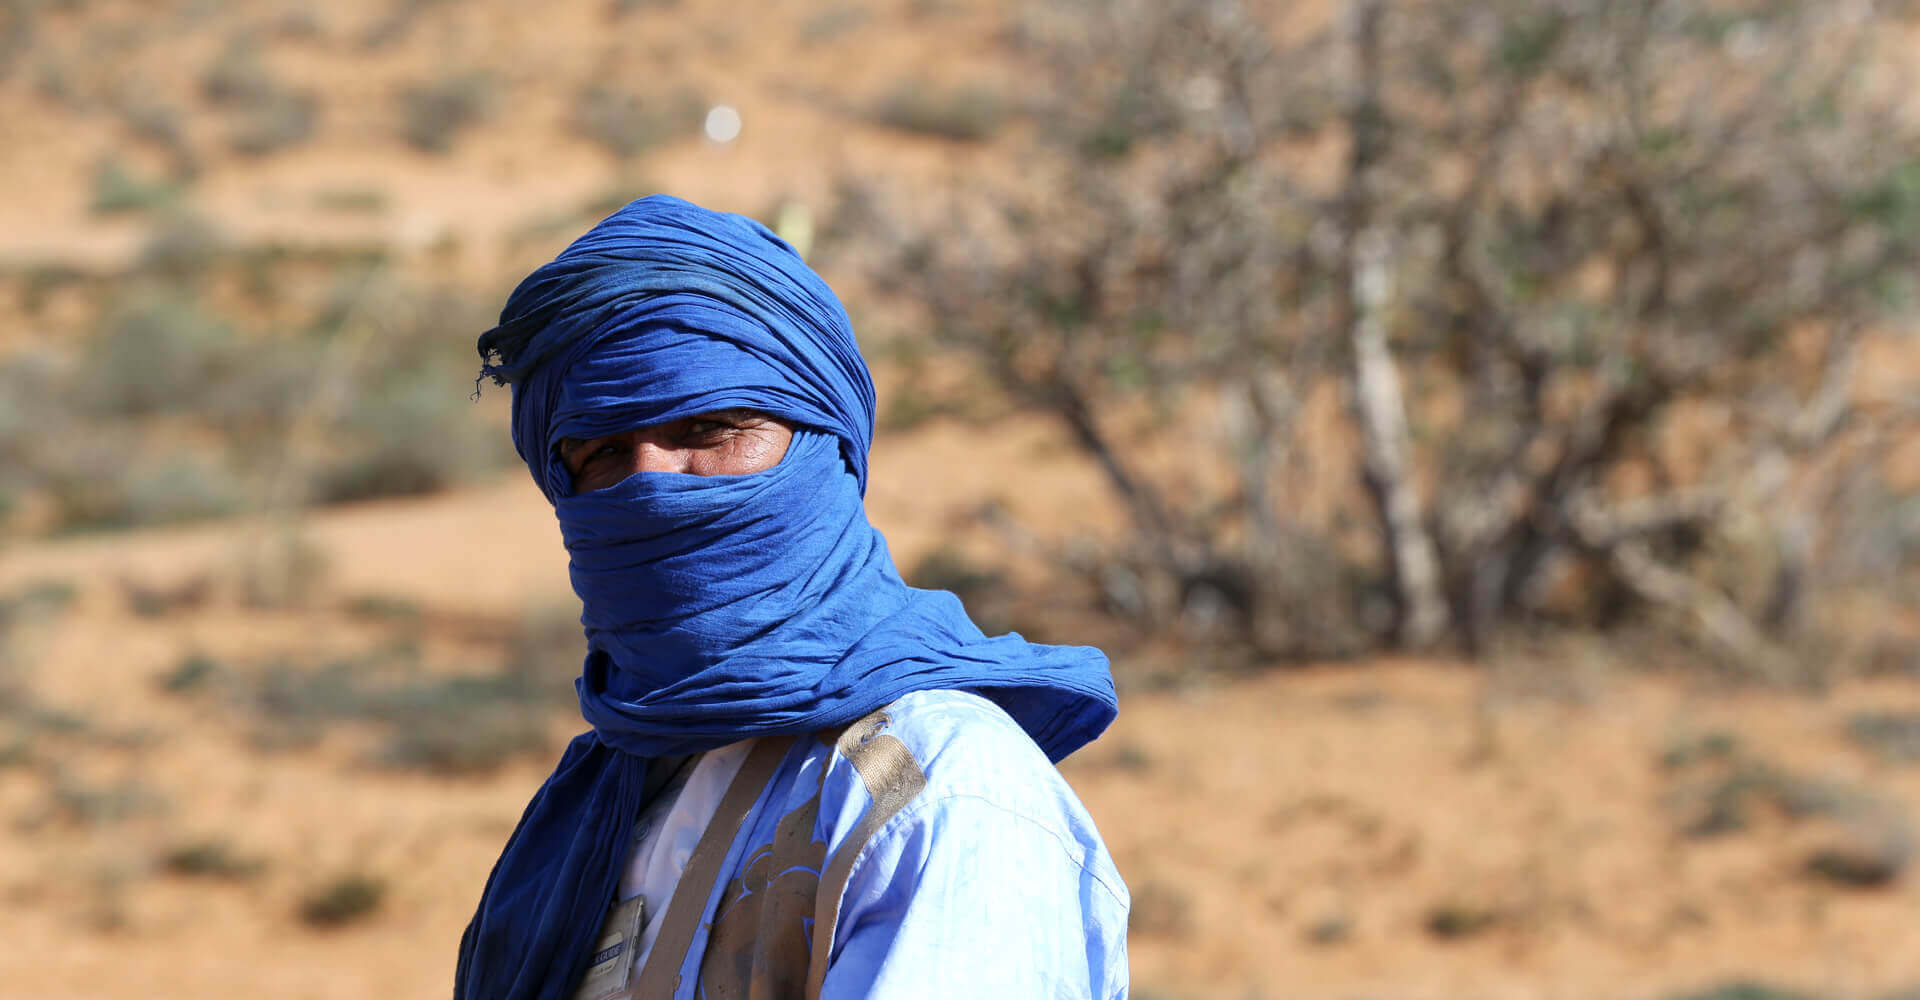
716 608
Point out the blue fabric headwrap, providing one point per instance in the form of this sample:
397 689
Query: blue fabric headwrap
716 608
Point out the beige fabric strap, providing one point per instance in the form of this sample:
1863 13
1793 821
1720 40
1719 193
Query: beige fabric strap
893 779
660 978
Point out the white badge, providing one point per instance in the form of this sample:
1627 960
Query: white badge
613 952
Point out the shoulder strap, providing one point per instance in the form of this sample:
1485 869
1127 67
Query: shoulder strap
660 977
893 778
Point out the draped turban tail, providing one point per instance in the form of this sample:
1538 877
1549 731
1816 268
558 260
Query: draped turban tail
716 608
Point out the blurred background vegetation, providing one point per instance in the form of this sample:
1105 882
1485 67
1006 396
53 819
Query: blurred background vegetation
1591 288
1591 285
1238 336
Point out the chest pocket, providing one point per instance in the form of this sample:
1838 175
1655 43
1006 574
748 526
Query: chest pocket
772 932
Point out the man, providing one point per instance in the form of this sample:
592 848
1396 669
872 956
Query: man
804 778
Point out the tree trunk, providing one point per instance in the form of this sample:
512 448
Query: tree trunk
1381 411
1378 405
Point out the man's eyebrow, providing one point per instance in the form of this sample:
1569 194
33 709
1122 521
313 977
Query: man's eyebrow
731 414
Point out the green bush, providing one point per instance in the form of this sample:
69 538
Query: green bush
406 440
156 354
408 430
180 250
169 412
1744 989
947 568
1859 865
983 589
267 115
238 75
833 22
183 486
965 114
388 608
462 743
117 191
626 124
161 125
1893 736
33 405
352 201
211 858
621 8
545 650
37 601
79 802
407 424
346 899
448 724
1161 909
1454 919
112 481
282 120
194 672
435 113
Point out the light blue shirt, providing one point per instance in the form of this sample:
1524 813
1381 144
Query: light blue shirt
990 882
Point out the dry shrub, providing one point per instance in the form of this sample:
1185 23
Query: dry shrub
1584 285
346 899
960 114
211 858
627 124
435 113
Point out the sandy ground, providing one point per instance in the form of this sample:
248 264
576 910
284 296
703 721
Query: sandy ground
1398 828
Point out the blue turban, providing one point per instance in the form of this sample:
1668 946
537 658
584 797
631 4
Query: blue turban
716 608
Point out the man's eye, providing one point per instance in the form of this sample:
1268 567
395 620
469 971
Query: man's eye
590 455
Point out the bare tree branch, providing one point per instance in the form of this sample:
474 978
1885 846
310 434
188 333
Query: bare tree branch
1716 617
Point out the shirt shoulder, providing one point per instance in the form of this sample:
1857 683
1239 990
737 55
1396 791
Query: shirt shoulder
967 745
968 862
978 770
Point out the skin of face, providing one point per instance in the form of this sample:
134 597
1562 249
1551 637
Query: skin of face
723 443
